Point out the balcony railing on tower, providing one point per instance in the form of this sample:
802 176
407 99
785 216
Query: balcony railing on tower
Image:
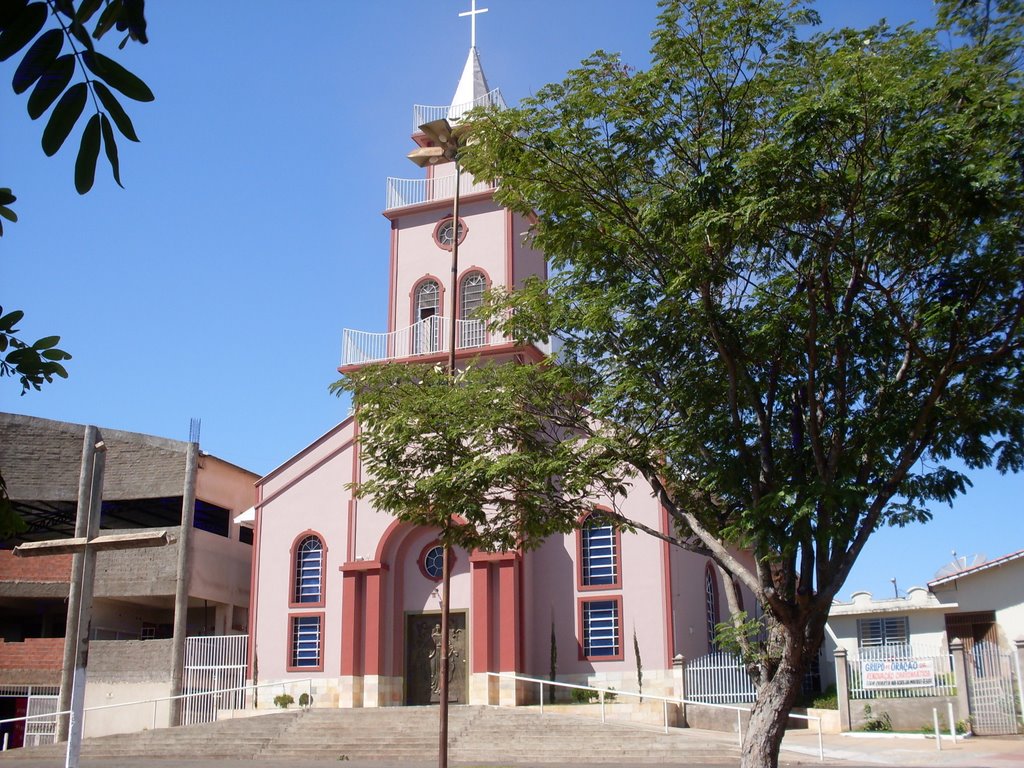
402 192
425 114
427 337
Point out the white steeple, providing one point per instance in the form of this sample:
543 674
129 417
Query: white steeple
472 90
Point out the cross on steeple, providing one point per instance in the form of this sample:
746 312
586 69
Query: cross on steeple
472 13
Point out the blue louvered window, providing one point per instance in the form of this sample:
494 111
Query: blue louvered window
600 559
305 641
601 628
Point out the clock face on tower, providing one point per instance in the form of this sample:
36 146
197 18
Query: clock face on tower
444 233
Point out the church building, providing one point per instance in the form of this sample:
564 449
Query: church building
349 595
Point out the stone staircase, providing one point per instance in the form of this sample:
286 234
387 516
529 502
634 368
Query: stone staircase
477 735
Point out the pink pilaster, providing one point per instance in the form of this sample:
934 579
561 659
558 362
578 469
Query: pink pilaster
509 615
482 619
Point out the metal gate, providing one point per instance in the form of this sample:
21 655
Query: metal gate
41 730
990 690
214 676
39 700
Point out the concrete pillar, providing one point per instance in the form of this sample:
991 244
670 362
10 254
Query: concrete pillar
188 511
963 705
75 590
843 690
679 680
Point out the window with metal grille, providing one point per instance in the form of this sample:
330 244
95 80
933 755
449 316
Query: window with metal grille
890 630
600 559
305 644
471 298
710 605
309 556
601 628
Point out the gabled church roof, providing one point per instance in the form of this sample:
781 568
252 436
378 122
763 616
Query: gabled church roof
472 90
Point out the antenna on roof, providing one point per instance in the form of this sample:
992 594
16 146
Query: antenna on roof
960 563
194 427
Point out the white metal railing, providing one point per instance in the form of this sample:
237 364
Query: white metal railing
422 113
940 665
427 337
719 678
604 693
403 192
286 686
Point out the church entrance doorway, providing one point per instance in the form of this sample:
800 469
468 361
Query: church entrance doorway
423 658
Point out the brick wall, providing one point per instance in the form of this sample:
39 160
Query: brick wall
55 568
33 653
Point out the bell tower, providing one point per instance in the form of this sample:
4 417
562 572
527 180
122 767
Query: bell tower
423 296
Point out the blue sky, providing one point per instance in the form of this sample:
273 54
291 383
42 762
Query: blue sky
217 283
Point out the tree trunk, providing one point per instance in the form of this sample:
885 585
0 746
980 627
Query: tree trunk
775 698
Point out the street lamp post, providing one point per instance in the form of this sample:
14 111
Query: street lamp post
446 147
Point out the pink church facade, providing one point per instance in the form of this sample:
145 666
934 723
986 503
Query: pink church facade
348 595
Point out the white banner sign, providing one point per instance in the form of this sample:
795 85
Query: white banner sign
898 673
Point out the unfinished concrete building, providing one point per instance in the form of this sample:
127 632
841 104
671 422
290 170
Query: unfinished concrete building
203 573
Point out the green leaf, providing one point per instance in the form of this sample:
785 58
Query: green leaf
11 319
37 59
88 153
9 12
55 354
117 113
110 147
117 76
86 10
81 35
51 85
107 19
64 117
46 342
6 198
26 26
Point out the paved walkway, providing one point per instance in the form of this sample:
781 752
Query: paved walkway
800 748
889 749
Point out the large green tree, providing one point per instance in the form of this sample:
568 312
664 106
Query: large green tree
787 281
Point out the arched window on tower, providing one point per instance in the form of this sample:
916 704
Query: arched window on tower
472 330
309 571
427 331
711 605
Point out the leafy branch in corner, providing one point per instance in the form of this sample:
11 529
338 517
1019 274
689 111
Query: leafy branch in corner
34 363
56 44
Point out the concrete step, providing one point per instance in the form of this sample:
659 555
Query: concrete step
476 734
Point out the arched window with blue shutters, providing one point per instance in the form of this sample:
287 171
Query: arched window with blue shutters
600 557
309 571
